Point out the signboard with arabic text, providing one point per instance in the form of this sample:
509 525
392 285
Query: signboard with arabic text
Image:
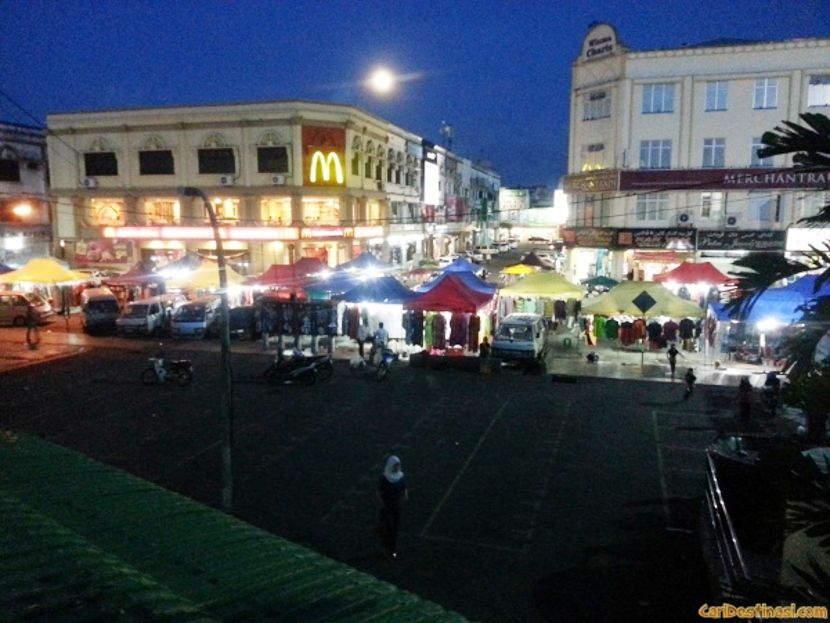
725 239
653 238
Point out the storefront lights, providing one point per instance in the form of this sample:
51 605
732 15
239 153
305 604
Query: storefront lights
22 210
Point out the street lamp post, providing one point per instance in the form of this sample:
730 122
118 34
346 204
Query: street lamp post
226 397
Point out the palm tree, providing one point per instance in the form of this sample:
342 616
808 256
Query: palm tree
810 145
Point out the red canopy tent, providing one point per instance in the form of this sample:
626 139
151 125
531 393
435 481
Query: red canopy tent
294 275
689 272
139 274
451 295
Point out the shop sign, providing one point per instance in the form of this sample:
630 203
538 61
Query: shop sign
326 232
323 155
368 232
600 42
91 252
803 238
727 239
722 179
677 239
173 232
589 237
604 180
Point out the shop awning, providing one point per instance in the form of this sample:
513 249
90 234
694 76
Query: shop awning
620 301
600 282
690 272
380 290
44 270
451 294
544 285
468 279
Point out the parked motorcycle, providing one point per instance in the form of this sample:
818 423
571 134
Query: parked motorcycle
179 371
361 366
299 369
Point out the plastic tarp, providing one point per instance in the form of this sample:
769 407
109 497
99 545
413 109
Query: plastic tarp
44 270
619 301
461 265
450 294
774 304
468 279
690 272
205 277
365 261
544 285
380 290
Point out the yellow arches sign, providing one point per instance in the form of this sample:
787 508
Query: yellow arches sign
323 155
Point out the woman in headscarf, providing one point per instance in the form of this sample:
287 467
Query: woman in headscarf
392 493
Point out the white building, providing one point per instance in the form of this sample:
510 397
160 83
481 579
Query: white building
663 162
289 179
24 208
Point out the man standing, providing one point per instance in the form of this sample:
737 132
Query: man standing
672 354
362 336
32 331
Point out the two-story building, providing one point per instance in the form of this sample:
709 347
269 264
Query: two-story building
663 151
288 179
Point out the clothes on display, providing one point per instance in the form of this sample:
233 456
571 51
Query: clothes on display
686 329
670 330
599 327
559 310
612 329
458 329
627 333
473 328
639 329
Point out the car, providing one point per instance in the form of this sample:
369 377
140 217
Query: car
503 246
446 260
486 252
14 306
513 242
545 256
538 240
475 256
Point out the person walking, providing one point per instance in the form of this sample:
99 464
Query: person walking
32 330
690 379
744 399
484 348
672 354
392 492
362 336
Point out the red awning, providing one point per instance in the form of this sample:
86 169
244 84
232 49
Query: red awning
689 272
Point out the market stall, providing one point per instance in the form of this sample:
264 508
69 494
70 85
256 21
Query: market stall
694 281
372 302
49 278
363 263
544 293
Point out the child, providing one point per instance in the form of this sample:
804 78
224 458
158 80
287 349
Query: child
690 383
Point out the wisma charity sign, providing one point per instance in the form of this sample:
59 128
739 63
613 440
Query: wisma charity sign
324 156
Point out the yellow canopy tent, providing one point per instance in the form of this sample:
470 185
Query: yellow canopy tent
44 270
544 285
205 277
518 269
620 300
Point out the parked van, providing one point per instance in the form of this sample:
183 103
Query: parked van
14 306
100 310
520 337
196 318
143 317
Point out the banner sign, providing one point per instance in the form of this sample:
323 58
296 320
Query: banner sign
722 179
594 182
726 239
92 252
590 237
675 239
324 155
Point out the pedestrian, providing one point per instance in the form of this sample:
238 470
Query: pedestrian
362 336
744 399
392 492
32 331
378 344
690 379
484 348
672 354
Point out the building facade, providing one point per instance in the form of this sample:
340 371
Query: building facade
663 152
24 207
288 179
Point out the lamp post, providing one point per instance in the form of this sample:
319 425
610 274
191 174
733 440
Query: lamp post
226 397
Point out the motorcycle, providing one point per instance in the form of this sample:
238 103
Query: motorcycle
179 371
361 366
299 369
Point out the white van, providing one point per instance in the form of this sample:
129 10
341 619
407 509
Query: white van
194 319
143 317
520 337
100 309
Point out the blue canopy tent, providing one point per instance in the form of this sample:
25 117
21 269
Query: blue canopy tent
461 265
776 304
806 287
468 278
380 290
334 284
5 269
364 261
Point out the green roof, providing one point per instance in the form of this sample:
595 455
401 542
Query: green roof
82 541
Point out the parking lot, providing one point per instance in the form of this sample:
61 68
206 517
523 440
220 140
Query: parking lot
530 500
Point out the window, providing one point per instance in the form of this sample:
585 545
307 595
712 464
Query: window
716 93
714 152
658 98
9 170
107 212
100 164
766 93
272 159
217 161
156 162
763 206
162 210
755 160
226 209
652 207
818 92
655 154
368 171
711 205
276 210
813 203
321 211
356 164
379 171
596 105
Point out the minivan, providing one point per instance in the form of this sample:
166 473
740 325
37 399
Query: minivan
520 337
14 306
100 310
143 317
195 318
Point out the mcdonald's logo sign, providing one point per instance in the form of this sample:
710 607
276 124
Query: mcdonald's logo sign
324 155
325 167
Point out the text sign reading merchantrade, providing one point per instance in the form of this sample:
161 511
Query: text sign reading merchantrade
324 156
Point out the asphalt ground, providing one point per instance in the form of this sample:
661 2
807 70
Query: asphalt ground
530 500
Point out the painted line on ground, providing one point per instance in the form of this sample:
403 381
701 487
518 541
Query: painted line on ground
661 471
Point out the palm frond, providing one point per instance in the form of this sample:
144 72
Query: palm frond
810 143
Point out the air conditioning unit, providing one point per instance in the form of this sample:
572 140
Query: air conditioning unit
731 221
227 180
89 182
278 180
684 218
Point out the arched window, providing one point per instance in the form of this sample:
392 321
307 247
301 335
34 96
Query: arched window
215 156
357 147
99 159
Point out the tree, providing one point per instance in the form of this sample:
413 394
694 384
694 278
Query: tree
809 143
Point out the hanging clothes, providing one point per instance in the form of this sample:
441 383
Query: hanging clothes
418 328
670 330
612 329
439 331
548 309
354 321
473 327
638 331
559 310
627 333
458 329
599 327
429 330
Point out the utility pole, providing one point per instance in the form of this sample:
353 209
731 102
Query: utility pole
226 394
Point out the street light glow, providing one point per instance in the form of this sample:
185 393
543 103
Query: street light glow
382 81
22 209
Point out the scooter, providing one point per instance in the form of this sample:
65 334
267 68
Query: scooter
299 369
179 371
361 366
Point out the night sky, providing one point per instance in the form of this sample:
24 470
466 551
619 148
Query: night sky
498 72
